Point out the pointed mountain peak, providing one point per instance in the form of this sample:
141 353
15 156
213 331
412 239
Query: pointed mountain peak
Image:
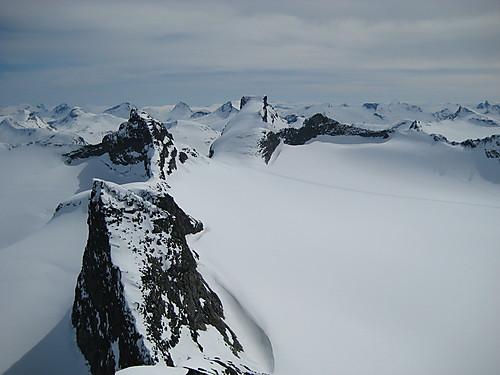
225 110
141 140
36 121
181 111
484 105
181 105
121 110
462 112
415 125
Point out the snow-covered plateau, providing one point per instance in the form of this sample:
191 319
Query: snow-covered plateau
250 238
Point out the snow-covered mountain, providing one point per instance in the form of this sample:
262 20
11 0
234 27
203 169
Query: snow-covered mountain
181 111
121 110
325 238
244 133
218 119
91 127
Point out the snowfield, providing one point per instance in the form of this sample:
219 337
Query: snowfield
355 265
344 255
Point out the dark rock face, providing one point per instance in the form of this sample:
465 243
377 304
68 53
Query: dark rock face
484 105
444 114
269 142
244 100
415 125
101 316
140 140
139 294
372 106
290 119
461 111
61 109
199 114
313 127
322 125
491 145
269 114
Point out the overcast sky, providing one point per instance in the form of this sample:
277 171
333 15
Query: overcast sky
210 51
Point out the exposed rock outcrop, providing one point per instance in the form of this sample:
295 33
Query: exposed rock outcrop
140 140
139 298
313 127
415 125
490 145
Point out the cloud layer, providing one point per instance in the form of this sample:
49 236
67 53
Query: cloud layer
156 52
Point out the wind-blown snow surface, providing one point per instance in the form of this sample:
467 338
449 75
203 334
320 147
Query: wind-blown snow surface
358 259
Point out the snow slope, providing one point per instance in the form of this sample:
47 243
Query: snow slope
34 181
37 278
358 258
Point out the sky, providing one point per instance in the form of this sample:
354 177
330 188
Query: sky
202 52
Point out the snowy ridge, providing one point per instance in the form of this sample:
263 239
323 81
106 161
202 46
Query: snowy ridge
157 307
464 113
121 110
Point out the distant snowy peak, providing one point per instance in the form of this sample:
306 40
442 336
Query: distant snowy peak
69 119
244 132
464 113
90 126
484 105
28 120
225 110
60 111
218 119
488 108
181 111
141 140
15 134
121 110
442 114
25 127
267 112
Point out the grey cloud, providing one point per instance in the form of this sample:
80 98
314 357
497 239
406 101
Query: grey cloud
105 44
